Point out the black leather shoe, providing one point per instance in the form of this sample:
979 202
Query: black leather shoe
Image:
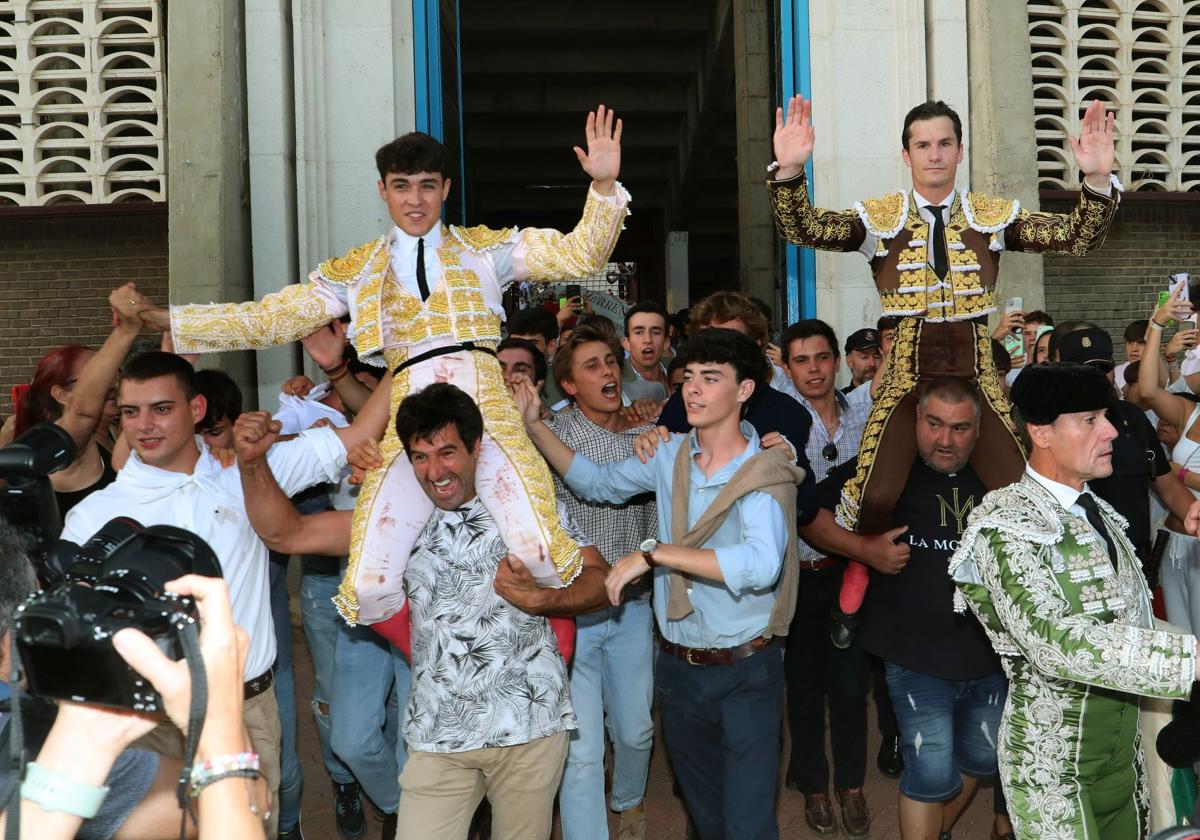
890 760
842 627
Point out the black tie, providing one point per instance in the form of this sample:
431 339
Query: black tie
1088 503
422 284
941 258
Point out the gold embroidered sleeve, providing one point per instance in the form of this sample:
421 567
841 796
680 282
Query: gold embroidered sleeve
1027 600
1076 233
802 224
548 255
279 318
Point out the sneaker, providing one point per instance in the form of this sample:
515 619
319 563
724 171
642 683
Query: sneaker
633 824
856 816
293 833
818 813
348 810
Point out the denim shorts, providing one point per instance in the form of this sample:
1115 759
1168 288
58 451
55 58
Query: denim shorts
948 729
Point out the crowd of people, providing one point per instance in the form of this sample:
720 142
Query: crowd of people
516 545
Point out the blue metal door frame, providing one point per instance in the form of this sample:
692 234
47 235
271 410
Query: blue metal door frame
427 77
795 76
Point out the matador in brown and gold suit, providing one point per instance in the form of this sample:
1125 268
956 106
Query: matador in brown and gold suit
935 255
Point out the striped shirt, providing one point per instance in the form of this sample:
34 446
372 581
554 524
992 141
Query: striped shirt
616 530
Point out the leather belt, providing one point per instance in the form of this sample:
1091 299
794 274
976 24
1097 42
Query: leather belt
819 563
716 656
256 686
443 351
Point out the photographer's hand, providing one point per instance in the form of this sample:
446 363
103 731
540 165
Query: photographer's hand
223 646
82 746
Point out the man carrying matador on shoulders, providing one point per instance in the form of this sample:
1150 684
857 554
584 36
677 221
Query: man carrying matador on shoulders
424 300
934 252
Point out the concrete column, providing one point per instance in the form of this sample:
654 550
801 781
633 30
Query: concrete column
1004 161
868 70
677 270
946 70
209 237
752 95
272 143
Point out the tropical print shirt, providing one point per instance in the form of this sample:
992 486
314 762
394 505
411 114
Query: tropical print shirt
484 673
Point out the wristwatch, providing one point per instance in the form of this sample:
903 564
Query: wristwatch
647 548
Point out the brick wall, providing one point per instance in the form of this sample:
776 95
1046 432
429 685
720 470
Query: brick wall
55 276
1120 282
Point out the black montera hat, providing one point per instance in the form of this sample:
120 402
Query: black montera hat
1043 392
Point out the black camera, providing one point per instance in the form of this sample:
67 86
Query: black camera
27 500
115 580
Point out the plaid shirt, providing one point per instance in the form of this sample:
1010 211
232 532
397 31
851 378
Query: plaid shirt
846 440
616 530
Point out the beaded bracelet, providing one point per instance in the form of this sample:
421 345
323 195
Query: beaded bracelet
207 772
242 773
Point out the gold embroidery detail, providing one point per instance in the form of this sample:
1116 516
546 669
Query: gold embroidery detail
899 378
988 211
345 269
550 255
1075 233
885 214
801 224
279 318
482 238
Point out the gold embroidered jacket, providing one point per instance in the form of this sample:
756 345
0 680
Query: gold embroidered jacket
477 264
902 263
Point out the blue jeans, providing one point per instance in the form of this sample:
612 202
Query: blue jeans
321 622
722 727
613 672
291 778
948 730
366 704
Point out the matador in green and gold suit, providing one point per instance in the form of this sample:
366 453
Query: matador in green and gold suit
1077 640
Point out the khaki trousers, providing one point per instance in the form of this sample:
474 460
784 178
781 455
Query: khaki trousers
439 792
260 715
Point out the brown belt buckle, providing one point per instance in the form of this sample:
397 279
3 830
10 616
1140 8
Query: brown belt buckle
687 657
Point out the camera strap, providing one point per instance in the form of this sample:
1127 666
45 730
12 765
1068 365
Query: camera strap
16 745
189 640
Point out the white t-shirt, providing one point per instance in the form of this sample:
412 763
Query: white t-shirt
210 503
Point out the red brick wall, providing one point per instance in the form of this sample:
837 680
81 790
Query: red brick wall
1120 282
55 276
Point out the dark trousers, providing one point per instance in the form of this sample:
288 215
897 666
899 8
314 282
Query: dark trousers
885 717
816 670
721 724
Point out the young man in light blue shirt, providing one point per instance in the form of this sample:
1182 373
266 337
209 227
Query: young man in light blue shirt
722 590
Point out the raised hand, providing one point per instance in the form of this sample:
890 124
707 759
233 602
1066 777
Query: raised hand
1094 150
128 304
793 137
602 160
253 434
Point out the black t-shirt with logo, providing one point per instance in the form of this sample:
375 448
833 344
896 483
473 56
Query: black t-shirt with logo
908 618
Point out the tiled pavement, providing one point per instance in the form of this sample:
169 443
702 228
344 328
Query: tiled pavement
664 813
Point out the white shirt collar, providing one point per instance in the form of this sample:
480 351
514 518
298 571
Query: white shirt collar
923 202
1064 495
404 243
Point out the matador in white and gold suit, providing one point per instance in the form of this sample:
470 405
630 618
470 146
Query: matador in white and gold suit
450 336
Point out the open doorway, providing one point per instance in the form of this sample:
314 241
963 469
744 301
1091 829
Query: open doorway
527 73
